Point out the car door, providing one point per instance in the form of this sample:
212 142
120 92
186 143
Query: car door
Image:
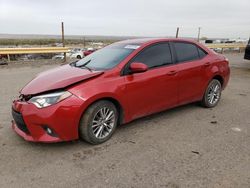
192 63
155 89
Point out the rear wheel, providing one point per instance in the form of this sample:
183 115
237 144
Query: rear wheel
78 57
212 95
99 122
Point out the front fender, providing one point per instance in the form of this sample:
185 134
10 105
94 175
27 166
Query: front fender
88 101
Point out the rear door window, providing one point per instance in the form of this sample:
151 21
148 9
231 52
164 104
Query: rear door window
186 51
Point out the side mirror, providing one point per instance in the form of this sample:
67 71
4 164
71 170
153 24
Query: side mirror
137 67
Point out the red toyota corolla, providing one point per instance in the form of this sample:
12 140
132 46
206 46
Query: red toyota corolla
115 85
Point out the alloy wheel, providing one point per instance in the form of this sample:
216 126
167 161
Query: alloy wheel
214 93
103 122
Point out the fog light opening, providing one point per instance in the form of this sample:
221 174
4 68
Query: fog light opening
49 131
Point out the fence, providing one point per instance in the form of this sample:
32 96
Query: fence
239 46
42 50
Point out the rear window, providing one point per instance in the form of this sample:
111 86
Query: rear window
201 52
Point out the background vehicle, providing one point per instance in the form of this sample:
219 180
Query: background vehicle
247 51
58 56
115 85
3 56
89 51
34 56
75 53
2 62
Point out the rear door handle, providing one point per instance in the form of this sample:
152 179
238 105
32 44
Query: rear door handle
171 73
207 64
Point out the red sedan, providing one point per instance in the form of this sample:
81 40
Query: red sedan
115 85
88 52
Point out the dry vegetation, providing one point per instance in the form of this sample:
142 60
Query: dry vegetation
49 42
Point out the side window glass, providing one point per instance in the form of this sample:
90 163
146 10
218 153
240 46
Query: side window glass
186 51
155 56
201 52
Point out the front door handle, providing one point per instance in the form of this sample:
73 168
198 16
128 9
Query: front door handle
171 73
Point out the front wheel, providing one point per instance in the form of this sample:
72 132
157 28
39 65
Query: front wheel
99 122
212 94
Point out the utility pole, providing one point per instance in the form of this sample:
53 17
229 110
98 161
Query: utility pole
199 32
177 32
63 42
84 42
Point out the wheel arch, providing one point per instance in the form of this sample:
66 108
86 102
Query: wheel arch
219 78
215 76
112 99
117 105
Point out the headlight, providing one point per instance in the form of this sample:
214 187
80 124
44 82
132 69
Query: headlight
45 100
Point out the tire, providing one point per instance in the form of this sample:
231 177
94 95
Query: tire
78 57
94 126
212 94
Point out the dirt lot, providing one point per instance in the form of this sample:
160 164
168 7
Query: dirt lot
189 146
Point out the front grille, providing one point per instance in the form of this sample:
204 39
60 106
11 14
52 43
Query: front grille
19 121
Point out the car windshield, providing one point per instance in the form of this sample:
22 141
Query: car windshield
105 58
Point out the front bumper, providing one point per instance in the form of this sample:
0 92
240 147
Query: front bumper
62 118
43 138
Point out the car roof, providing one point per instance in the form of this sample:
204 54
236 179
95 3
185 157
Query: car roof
141 41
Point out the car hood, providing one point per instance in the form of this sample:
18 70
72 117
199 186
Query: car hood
57 78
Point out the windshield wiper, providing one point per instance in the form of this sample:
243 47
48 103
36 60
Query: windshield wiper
84 65
73 63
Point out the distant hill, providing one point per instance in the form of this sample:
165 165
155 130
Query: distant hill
88 37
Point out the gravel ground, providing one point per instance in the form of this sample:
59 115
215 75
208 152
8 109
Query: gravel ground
188 146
